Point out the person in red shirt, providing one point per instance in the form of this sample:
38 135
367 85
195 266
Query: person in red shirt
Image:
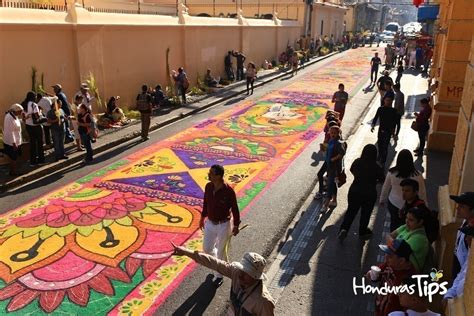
423 124
396 268
219 207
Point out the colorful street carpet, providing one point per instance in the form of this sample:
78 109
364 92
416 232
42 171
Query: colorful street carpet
101 245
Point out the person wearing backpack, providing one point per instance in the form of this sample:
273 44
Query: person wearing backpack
145 106
85 119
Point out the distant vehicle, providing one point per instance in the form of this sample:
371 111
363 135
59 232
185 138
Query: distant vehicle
386 36
412 27
392 27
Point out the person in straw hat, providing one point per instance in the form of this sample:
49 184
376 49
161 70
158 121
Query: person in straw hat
248 294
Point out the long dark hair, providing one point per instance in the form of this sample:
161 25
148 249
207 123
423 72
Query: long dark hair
369 154
405 168
30 97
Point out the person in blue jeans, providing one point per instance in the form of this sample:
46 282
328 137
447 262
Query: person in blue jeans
56 118
333 166
64 104
84 120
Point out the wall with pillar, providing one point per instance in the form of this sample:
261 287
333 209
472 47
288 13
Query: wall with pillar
461 179
449 67
123 51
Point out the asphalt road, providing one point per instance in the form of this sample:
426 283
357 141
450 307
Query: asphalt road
268 220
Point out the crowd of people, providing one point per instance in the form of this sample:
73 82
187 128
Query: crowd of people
49 119
414 227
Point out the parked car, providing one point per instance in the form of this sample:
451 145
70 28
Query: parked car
386 37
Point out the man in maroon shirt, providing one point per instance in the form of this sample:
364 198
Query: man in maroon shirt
220 205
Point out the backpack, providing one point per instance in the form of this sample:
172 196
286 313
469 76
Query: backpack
185 83
142 102
93 128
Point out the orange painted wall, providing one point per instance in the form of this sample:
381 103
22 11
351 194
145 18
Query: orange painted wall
123 51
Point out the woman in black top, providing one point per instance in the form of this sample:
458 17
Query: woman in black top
363 192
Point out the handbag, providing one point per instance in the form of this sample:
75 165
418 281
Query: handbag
414 126
341 178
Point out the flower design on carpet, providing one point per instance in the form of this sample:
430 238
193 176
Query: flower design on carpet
269 120
75 244
300 98
101 244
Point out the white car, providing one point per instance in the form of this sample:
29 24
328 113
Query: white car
386 36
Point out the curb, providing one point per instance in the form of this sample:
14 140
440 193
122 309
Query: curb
54 167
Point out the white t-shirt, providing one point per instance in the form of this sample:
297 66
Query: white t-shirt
31 108
45 104
392 190
410 312
12 130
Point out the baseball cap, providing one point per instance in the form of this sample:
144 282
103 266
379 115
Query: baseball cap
397 247
57 86
84 86
253 264
466 198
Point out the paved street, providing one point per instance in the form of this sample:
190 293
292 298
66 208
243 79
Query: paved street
312 272
109 225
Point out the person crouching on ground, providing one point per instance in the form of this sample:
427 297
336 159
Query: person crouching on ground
333 166
12 139
248 294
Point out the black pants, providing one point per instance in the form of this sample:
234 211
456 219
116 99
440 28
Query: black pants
362 199
399 77
373 74
36 144
422 131
383 140
230 73
395 220
47 134
332 187
250 81
398 126
240 73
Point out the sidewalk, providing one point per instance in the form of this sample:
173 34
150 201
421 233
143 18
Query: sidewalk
114 137
312 272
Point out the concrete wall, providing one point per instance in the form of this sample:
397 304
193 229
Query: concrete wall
123 51
327 20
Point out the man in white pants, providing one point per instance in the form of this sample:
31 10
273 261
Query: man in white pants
220 205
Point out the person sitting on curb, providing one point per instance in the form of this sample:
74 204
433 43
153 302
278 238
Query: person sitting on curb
396 268
210 80
413 232
248 294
